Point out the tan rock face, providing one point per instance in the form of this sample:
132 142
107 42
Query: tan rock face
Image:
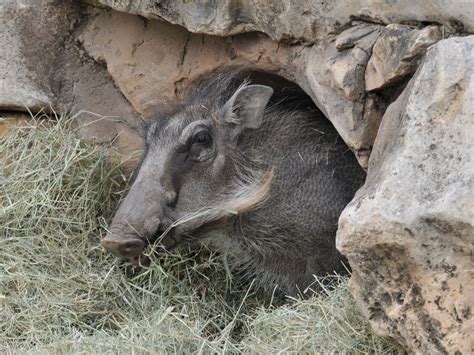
153 61
409 232
336 71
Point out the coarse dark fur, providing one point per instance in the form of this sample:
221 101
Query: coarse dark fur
287 175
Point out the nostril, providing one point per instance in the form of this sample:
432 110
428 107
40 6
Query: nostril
123 247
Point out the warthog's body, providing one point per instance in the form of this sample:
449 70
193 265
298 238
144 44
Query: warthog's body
286 174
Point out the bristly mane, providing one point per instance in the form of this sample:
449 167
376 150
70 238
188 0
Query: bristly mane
216 91
210 92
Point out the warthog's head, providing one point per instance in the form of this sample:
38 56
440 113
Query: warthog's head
193 162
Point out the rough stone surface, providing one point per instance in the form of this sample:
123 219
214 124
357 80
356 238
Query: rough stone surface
18 87
293 20
123 66
335 71
409 232
393 59
154 61
43 68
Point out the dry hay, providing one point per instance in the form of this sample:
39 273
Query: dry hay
60 292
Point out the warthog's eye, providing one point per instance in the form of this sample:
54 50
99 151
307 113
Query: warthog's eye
201 146
203 138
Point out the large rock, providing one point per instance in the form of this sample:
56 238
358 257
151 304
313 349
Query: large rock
335 71
20 88
42 67
123 66
295 21
153 61
409 232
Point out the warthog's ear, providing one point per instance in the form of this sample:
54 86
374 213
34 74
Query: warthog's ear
245 108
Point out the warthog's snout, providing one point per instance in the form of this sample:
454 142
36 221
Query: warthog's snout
123 247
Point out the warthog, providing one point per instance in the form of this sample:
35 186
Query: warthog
269 184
